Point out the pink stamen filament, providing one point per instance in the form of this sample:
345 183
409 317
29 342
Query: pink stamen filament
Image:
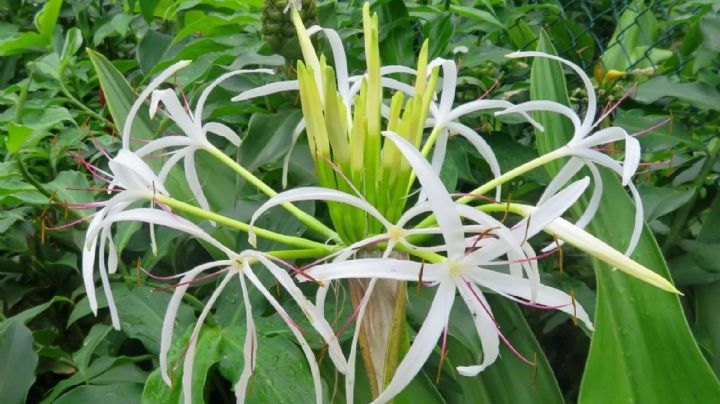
91 168
477 196
66 225
497 327
193 281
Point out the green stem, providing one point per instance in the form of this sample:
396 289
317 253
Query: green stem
311 222
292 241
680 222
490 185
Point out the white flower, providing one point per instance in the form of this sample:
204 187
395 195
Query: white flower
132 181
239 265
582 152
183 147
461 272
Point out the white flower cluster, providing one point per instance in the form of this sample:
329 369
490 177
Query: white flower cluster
478 253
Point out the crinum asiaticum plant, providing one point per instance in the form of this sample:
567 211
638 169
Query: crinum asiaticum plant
391 219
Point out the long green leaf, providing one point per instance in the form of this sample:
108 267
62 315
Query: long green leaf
642 349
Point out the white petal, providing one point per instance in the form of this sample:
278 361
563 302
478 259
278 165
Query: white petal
171 313
314 193
482 147
639 221
132 173
543 105
309 355
127 126
163 143
224 131
350 377
267 89
484 325
443 206
172 161
509 286
190 353
286 161
249 348
343 84
316 318
88 259
162 218
566 173
481 105
384 268
106 282
632 159
592 100
206 92
176 112
194 182
449 82
604 136
424 343
553 208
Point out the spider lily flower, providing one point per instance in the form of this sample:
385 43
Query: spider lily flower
239 265
461 272
581 150
183 147
137 183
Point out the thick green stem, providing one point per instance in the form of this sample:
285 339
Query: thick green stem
311 222
297 242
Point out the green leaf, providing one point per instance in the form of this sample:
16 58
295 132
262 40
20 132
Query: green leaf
29 314
141 314
21 43
659 201
17 363
46 19
710 29
152 49
147 8
118 393
488 22
268 138
697 94
17 136
119 96
642 349
93 339
73 42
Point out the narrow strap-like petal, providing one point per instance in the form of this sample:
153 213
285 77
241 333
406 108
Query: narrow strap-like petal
482 147
249 347
206 92
438 197
267 89
485 326
424 342
224 131
190 353
127 126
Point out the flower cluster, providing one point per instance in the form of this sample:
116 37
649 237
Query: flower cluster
372 156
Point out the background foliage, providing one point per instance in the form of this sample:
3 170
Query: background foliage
67 72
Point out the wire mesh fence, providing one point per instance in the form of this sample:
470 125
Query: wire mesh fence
622 35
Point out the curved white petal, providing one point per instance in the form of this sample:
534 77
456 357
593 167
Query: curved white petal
163 143
424 343
587 123
482 147
223 131
249 347
314 316
176 112
115 319
133 174
127 126
383 268
481 105
484 325
172 162
510 286
632 159
194 182
286 161
314 193
543 105
309 355
206 92
171 313
438 197
343 83
267 89
639 220
190 352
